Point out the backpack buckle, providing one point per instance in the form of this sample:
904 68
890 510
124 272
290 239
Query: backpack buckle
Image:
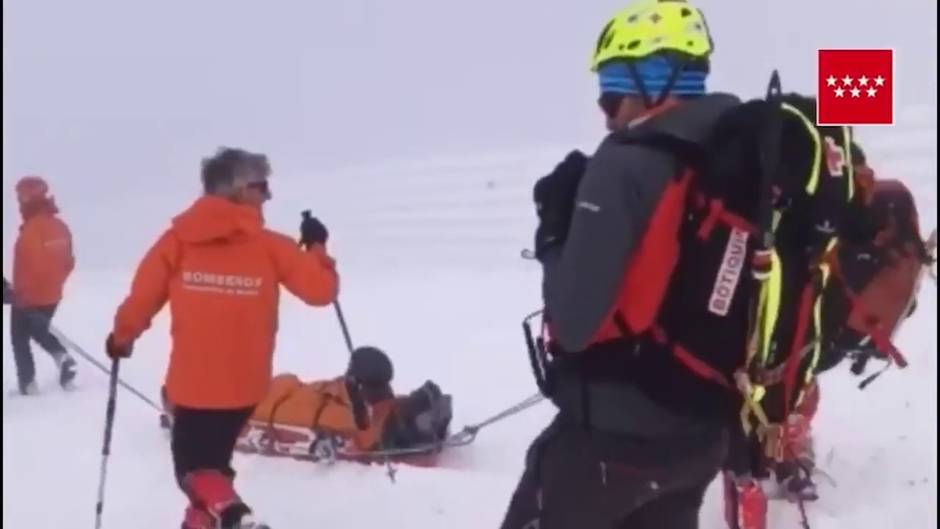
773 439
761 264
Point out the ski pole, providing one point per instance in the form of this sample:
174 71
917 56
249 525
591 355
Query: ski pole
106 446
360 413
358 403
306 216
343 326
104 369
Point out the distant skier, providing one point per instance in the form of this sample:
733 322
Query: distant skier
43 261
221 271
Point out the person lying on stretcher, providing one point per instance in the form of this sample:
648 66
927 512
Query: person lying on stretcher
357 412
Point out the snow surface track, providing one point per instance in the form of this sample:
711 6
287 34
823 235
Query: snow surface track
429 253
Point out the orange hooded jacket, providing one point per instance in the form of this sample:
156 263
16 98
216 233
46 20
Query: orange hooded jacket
221 271
43 258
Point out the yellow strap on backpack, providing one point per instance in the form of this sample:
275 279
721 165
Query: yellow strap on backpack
768 310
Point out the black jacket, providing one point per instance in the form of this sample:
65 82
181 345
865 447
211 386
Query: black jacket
625 386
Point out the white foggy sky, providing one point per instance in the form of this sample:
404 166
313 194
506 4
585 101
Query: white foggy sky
115 101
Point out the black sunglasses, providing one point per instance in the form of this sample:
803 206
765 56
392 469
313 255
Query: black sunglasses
610 103
260 186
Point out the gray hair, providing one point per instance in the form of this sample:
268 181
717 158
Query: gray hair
221 171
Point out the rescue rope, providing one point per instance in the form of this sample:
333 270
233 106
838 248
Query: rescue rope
104 369
75 348
469 433
465 436
462 438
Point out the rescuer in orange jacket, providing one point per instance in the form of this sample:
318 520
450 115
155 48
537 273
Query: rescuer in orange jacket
221 272
42 262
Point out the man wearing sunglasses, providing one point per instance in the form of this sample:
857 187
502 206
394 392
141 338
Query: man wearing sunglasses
636 440
221 271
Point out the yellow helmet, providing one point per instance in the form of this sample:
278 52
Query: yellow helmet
651 26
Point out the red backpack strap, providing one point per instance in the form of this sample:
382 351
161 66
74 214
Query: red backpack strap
793 361
650 269
717 213
689 360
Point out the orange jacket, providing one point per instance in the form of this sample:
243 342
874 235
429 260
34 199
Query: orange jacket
42 260
221 271
323 405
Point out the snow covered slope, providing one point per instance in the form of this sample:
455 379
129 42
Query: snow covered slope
115 102
429 252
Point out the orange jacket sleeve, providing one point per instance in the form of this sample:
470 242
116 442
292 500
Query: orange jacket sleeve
149 291
309 275
43 261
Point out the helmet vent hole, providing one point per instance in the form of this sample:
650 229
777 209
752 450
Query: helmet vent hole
605 37
634 44
686 12
655 18
608 41
632 19
689 43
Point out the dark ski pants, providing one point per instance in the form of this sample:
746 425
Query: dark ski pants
582 479
28 324
205 439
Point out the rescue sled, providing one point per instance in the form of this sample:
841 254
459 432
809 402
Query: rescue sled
320 422
306 445
355 417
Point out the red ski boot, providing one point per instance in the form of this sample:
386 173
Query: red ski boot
745 503
214 503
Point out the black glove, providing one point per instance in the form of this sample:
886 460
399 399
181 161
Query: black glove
312 231
115 351
554 196
7 292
